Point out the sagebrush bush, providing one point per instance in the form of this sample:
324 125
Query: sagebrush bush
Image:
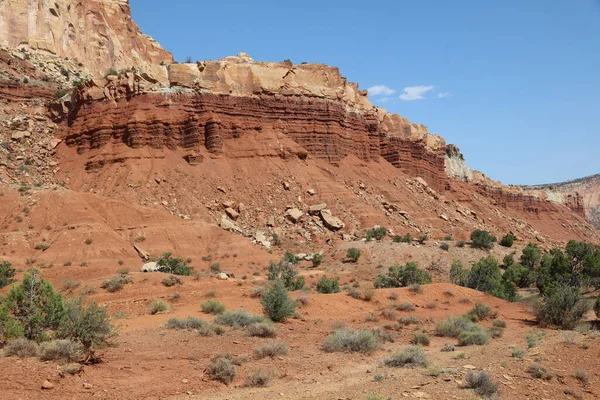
468 338
564 306
237 319
172 280
276 302
21 348
454 326
261 329
376 233
408 357
539 372
285 272
117 283
212 306
481 312
185 323
328 285
404 306
482 383
221 370
86 322
352 341
482 240
353 254
409 319
259 378
272 349
445 246
507 240
420 338
64 350
499 323
158 306
398 276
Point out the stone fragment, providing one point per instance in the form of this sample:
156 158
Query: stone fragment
150 267
294 215
231 213
47 385
331 222
316 208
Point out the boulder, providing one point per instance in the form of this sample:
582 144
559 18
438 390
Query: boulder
183 75
231 213
228 225
47 385
142 253
294 215
261 239
331 222
271 221
316 208
150 267
222 276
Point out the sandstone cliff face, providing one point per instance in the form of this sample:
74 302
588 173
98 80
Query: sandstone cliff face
100 34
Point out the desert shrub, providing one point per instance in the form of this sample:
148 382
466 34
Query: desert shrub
261 329
172 265
486 276
367 293
507 240
172 280
393 296
10 328
285 272
302 300
352 341
272 349
33 306
388 314
115 284
597 307
257 291
420 338
221 370
445 246
564 306
376 233
582 376
7 273
328 285
21 348
458 275
480 312
276 302
461 243
478 337
210 330
317 259
531 256
539 372
257 379
353 254
499 323
422 239
519 275
69 284
354 293
403 239
185 323
158 306
415 288
482 383
237 319
409 319
408 357
212 306
59 93
454 326
518 353
87 323
398 276
482 240
64 350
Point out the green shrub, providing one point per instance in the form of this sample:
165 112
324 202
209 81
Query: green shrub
408 357
507 240
10 328
539 372
482 383
420 338
352 341
215 268
158 306
276 302
172 265
117 283
454 326
445 246
403 239
486 276
398 276
60 93
481 312
482 240
221 370
478 337
317 259
376 233
564 306
519 275
212 306
405 306
87 323
458 275
261 329
285 272
7 273
328 285
496 331
499 323
65 350
21 348
237 319
186 323
461 243
271 349
409 319
172 280
257 379
422 239
531 256
353 254
34 306
597 307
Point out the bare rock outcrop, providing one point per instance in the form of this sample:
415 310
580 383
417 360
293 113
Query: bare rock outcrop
99 34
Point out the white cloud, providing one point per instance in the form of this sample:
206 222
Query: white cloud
415 92
380 90
384 100
441 95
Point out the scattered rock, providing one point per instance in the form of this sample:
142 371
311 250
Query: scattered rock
271 221
231 213
286 186
294 215
316 208
87 385
444 217
150 267
222 276
331 222
46 385
142 253
311 192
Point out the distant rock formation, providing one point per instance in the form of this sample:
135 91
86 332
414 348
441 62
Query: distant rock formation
99 34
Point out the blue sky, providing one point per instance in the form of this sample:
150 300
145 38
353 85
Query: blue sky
514 83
